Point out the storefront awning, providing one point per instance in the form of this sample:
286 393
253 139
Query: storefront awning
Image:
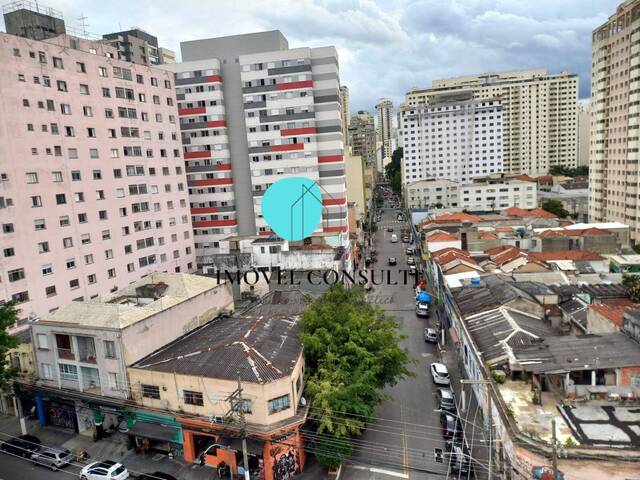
254 447
154 431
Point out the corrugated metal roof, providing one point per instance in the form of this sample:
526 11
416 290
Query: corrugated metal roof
260 345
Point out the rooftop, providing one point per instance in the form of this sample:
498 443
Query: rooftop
604 290
565 255
260 345
613 313
493 292
626 259
533 213
493 330
139 300
582 352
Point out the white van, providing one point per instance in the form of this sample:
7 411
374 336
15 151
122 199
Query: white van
394 238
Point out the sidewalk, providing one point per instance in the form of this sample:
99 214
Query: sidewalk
112 448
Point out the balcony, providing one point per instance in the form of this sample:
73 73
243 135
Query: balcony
86 350
66 353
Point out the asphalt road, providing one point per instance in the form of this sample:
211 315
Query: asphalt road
401 444
17 468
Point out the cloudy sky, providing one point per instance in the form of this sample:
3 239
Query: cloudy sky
385 46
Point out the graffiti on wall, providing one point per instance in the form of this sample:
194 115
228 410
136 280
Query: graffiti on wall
62 417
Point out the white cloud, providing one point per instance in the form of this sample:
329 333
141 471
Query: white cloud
385 46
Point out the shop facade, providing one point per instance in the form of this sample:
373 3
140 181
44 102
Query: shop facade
275 455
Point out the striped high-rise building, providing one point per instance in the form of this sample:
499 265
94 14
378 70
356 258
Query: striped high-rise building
252 111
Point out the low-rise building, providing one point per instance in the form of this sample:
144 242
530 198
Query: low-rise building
257 353
480 196
86 347
590 239
573 195
625 263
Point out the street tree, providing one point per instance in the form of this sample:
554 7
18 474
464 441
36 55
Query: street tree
352 351
555 206
8 318
632 282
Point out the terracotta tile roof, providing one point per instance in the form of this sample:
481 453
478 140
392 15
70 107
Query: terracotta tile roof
439 253
587 232
507 255
441 237
450 256
494 250
457 217
487 236
565 255
620 302
525 178
545 178
504 229
613 313
533 213
550 234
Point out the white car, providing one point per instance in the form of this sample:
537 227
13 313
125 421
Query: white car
440 374
106 470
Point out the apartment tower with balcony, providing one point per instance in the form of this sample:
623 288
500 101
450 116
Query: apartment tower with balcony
281 115
384 114
615 119
93 193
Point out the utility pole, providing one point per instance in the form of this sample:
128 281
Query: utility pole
554 451
237 407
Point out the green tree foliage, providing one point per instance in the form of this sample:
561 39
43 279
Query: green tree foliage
352 351
394 165
396 183
632 282
8 317
555 206
582 171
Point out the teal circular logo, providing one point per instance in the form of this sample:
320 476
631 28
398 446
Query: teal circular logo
293 207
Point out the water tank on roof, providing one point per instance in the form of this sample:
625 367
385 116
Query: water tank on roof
475 281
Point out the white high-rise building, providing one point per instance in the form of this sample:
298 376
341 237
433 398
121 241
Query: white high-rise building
456 137
345 113
384 112
540 114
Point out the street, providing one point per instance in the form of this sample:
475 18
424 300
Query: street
401 443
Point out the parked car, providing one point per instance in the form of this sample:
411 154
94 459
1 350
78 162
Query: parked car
410 251
107 470
446 400
411 261
440 374
405 238
430 335
389 229
156 475
24 445
422 309
394 238
52 458
412 269
392 261
451 428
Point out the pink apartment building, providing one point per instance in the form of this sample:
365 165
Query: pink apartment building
93 193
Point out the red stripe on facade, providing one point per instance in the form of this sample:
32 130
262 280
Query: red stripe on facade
217 123
342 228
223 166
198 154
297 131
268 232
287 147
333 201
330 158
215 223
213 181
292 85
201 210
192 111
214 78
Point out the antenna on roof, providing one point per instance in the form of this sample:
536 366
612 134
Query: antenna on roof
83 24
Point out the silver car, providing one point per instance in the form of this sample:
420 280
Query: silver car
52 458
